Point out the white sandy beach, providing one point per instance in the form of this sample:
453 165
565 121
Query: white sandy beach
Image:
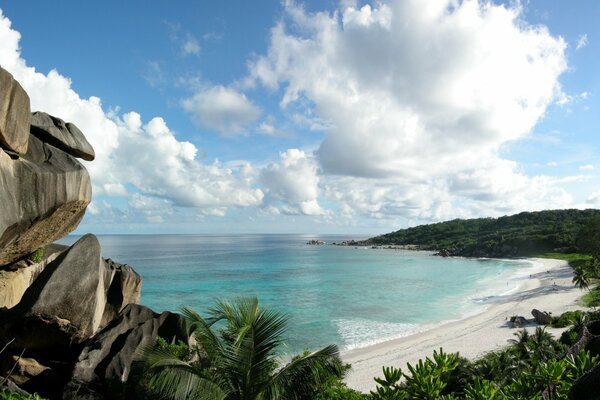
549 288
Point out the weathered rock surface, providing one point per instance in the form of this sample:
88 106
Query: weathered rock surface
23 369
32 376
18 276
105 363
541 317
75 296
65 136
587 386
15 114
44 195
589 339
517 321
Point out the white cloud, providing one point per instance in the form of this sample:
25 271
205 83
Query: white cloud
417 98
294 181
593 199
587 167
447 81
190 46
222 109
148 157
582 41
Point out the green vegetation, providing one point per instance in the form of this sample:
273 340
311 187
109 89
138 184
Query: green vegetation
591 298
37 255
524 234
239 359
6 394
236 359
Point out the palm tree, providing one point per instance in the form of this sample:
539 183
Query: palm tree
581 278
241 346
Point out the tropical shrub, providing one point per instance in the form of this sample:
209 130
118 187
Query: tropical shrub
242 345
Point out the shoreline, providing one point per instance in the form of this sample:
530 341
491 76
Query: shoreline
549 288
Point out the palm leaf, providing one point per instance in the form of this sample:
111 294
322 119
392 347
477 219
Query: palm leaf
317 365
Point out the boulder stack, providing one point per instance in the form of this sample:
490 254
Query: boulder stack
69 320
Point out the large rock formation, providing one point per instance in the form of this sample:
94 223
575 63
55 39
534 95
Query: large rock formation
105 364
15 280
75 295
44 195
14 114
55 303
65 136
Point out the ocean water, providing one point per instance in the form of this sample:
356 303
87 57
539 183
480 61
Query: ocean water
349 296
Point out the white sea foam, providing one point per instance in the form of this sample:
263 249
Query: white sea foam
357 333
360 332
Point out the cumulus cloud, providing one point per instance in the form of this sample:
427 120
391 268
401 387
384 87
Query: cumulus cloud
414 83
294 180
144 156
586 167
221 109
418 97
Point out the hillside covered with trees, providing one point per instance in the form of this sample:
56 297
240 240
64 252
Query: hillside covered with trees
523 234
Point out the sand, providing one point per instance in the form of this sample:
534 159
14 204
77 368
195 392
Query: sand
548 288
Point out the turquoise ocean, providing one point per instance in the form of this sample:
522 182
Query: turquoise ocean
349 296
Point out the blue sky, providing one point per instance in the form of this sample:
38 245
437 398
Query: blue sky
317 117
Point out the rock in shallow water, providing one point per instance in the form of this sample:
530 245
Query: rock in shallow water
15 117
44 197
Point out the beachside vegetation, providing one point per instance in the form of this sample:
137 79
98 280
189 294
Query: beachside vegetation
523 234
239 357
533 366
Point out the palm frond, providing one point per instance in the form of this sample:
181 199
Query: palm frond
317 365
206 337
182 384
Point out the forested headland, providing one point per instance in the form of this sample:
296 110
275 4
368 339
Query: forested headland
523 234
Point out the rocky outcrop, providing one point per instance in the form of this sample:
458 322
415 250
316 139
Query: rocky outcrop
106 362
517 321
589 339
60 301
64 136
44 196
75 295
33 376
18 276
14 114
541 317
587 386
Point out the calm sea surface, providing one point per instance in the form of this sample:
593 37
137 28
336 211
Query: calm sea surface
344 295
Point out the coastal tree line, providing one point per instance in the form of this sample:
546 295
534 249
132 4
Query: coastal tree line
523 234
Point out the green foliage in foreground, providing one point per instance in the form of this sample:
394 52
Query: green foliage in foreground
532 363
241 347
6 394
524 234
